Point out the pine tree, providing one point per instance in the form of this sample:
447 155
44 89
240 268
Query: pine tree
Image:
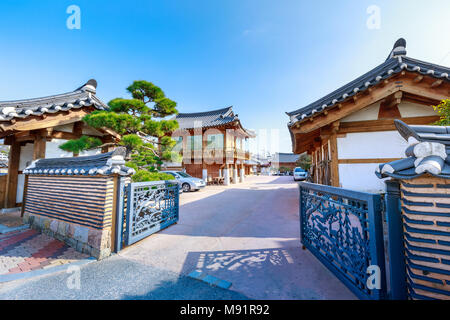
141 124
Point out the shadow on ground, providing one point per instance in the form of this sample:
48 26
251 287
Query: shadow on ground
272 273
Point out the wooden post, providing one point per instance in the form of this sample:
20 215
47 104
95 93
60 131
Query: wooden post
334 160
13 172
115 213
25 188
78 128
39 146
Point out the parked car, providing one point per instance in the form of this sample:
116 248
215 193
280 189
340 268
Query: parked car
187 182
300 174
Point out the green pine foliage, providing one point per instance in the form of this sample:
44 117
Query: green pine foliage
443 110
145 175
84 143
140 121
304 161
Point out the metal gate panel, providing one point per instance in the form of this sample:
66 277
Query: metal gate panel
343 229
151 206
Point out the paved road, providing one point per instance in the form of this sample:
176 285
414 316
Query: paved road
247 234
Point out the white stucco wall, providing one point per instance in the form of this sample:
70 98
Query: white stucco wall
360 177
372 145
364 145
409 109
367 145
26 156
52 149
368 113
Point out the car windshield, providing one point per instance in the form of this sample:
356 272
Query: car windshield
184 175
299 170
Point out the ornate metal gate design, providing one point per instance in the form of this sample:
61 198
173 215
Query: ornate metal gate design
344 230
151 206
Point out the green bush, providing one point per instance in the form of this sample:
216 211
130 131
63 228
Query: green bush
144 175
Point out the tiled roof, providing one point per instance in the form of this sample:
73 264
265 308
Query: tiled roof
394 64
206 119
100 164
285 157
428 152
81 97
209 119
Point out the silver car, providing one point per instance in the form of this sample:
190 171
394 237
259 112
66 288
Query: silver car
187 182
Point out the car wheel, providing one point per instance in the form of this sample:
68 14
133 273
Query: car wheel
186 187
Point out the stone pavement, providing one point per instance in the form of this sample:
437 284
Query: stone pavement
28 250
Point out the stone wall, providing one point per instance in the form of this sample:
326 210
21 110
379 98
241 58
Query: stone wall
96 243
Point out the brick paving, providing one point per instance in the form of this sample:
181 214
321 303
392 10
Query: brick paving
28 250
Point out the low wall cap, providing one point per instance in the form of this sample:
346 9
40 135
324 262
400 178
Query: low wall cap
428 153
111 163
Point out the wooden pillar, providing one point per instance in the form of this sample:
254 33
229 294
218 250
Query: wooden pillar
13 172
319 169
39 146
334 161
78 131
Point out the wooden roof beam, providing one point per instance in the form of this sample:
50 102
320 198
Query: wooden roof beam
36 122
437 83
348 108
418 78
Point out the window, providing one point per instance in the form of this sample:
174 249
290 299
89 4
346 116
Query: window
179 144
194 142
214 141
239 143
184 175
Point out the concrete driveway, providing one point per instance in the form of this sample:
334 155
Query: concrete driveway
247 234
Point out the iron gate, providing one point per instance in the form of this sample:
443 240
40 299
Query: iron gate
343 229
147 208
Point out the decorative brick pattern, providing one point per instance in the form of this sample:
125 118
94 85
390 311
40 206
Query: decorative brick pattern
28 250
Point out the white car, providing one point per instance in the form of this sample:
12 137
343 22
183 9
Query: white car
187 182
300 174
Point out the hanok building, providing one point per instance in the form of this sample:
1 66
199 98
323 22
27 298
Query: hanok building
285 161
34 129
350 131
214 144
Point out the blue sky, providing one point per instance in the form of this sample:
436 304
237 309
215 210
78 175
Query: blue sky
262 57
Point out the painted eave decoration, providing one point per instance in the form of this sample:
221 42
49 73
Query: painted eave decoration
210 119
396 63
428 153
111 163
84 96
